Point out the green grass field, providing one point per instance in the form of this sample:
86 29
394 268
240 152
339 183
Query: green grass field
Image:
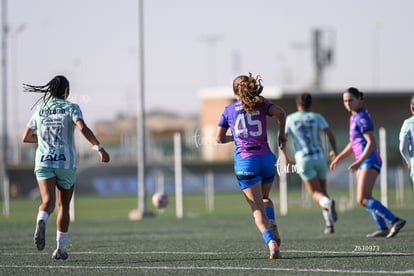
223 242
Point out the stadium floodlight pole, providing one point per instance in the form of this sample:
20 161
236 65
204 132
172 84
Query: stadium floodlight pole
211 41
141 141
3 162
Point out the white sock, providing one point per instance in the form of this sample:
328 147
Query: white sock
42 215
61 239
324 202
328 221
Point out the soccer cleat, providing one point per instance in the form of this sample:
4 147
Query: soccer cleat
60 255
275 232
274 250
329 230
332 211
39 236
396 227
379 233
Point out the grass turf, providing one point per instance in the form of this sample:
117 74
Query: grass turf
224 242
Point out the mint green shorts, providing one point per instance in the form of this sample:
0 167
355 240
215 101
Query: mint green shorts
313 168
65 178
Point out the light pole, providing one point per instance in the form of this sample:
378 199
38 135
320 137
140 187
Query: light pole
3 162
211 41
323 47
299 47
142 211
376 55
15 90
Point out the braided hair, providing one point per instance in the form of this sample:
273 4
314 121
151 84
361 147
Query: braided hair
248 89
58 87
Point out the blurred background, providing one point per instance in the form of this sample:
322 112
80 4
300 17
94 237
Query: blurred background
180 80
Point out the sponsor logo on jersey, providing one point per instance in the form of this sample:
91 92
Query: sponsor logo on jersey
53 157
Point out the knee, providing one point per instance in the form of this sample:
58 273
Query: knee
267 201
362 201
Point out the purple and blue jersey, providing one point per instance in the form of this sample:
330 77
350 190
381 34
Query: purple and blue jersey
360 123
249 130
253 159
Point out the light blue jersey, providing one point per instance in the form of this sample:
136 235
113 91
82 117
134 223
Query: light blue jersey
407 144
55 128
407 139
305 128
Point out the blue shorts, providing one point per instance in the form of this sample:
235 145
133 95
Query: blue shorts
255 168
310 169
65 178
371 163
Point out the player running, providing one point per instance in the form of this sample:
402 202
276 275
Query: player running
52 127
367 164
254 162
305 127
407 141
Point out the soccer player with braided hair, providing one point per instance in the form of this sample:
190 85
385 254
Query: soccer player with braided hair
254 162
52 127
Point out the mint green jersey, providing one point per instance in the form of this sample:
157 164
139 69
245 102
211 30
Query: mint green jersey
305 127
55 128
407 139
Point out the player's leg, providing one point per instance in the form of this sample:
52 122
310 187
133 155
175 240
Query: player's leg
327 213
366 180
268 172
46 186
62 222
314 188
65 189
253 195
270 211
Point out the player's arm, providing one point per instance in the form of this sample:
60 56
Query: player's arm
332 142
90 136
403 146
343 154
222 137
290 163
29 136
404 150
369 148
280 115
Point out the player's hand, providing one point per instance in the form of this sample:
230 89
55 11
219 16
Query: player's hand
332 155
354 166
282 141
290 166
333 164
104 156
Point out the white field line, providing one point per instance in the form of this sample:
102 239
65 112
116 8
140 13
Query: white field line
210 268
215 253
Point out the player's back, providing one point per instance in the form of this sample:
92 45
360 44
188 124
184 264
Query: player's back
305 128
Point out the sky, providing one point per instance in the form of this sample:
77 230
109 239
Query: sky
189 44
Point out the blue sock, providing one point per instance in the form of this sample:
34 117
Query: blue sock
380 210
267 236
270 213
378 220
